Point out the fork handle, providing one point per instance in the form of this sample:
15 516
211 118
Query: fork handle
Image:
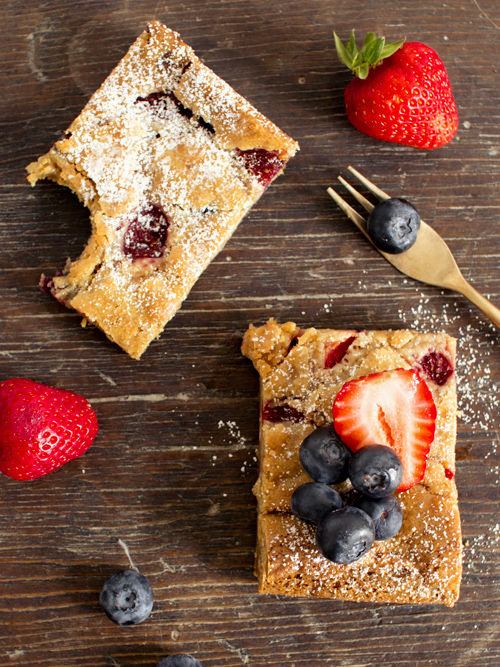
480 301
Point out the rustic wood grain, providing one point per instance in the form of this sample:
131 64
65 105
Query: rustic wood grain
172 469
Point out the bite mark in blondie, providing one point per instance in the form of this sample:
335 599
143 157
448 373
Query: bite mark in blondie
168 158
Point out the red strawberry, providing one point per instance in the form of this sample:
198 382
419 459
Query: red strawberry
42 428
402 95
392 408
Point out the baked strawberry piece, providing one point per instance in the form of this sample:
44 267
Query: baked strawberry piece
390 393
42 428
169 159
401 92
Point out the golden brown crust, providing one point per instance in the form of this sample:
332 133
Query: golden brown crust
423 563
123 154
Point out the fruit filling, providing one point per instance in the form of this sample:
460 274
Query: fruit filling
263 164
146 234
162 103
281 413
336 352
436 367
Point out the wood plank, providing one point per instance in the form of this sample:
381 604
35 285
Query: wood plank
172 469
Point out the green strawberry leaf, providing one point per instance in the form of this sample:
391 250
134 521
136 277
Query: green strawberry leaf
342 52
374 50
390 48
368 39
362 71
351 47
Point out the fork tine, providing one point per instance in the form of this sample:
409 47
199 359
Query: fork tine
357 195
369 185
353 215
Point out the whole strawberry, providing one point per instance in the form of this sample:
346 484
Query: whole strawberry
402 93
41 428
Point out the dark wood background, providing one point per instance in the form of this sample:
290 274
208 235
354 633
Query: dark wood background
172 468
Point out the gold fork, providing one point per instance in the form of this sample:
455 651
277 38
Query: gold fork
428 260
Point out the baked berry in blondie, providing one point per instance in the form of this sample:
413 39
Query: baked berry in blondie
302 372
168 158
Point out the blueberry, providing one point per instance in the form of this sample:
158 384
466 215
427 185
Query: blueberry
376 471
179 660
312 501
386 514
324 456
393 225
345 535
127 597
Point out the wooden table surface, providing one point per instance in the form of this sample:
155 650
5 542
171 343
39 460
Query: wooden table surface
172 469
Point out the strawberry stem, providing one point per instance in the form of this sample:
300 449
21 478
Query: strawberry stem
373 51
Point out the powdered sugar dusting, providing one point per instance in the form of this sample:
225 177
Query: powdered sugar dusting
478 558
234 433
226 102
145 142
478 393
420 564
382 574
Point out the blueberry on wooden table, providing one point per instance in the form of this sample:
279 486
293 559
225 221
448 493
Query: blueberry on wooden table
127 597
179 660
393 225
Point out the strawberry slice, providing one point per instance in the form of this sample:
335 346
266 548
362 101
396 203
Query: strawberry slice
393 408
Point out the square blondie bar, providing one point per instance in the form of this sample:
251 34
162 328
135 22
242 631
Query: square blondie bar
168 158
301 372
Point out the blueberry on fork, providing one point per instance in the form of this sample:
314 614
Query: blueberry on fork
393 225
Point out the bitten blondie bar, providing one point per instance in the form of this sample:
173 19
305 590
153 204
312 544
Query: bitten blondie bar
301 372
168 158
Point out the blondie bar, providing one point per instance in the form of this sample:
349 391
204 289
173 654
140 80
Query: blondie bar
168 158
301 372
